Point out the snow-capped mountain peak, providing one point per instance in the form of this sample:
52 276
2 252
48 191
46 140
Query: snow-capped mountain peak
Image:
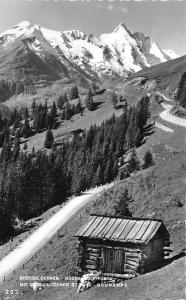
117 53
75 34
122 28
21 29
24 24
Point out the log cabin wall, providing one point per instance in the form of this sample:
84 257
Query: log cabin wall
122 246
132 261
154 252
109 257
89 256
153 255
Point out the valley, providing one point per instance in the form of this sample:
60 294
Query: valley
104 103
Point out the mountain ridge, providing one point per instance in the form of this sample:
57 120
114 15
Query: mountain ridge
111 54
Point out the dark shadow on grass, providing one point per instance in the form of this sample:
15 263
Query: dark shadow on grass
148 129
175 257
149 126
120 106
97 105
166 262
24 141
148 133
77 131
100 92
84 193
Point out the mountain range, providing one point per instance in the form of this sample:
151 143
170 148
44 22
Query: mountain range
37 56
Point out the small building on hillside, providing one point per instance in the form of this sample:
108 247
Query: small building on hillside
122 246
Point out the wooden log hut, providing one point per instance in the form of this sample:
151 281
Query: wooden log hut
122 247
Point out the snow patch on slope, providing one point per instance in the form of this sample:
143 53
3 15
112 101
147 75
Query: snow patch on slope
170 53
155 50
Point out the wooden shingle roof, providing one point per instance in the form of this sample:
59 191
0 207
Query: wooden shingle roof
131 230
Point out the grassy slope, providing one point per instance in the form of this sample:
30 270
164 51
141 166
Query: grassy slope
166 75
156 192
167 283
103 111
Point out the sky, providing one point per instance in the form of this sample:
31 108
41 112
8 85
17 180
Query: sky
164 21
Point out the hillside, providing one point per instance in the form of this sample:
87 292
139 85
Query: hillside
103 110
156 193
163 77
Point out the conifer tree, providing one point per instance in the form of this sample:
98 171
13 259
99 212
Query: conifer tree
180 96
49 139
98 178
142 113
16 149
33 152
74 92
67 112
60 101
36 119
26 130
121 202
1 138
93 87
63 114
25 147
78 107
134 164
33 106
46 106
48 121
107 172
89 102
26 113
148 160
53 112
131 130
114 100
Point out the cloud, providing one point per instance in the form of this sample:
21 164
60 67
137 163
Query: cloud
125 10
112 7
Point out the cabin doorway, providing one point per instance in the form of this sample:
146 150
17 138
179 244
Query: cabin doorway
113 260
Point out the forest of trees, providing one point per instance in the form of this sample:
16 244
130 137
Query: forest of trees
33 182
70 110
10 88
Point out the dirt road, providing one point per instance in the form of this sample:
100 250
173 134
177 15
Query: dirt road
40 237
167 116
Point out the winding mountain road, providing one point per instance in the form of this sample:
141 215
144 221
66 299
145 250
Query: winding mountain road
163 127
167 116
41 236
